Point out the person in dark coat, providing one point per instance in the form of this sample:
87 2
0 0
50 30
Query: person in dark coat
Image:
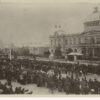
60 84
96 86
67 85
84 86
76 86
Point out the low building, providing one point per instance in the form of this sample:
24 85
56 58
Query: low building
38 50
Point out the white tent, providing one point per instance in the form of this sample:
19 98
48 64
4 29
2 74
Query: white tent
75 54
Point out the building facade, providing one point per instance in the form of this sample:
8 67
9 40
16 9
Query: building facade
86 42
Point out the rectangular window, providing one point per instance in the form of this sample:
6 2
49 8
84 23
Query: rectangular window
98 40
69 40
74 40
66 41
82 40
79 40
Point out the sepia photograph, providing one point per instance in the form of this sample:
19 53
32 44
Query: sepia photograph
49 48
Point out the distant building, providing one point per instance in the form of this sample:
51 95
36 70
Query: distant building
38 50
86 42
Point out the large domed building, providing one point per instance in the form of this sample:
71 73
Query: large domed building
87 43
93 21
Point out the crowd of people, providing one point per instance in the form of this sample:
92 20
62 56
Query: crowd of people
63 77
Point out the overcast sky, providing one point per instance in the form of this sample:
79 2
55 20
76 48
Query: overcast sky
33 22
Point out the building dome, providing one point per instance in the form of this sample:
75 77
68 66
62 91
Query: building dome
94 16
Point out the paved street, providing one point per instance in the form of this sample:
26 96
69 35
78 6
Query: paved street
73 62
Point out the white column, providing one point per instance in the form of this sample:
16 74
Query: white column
75 58
93 52
86 51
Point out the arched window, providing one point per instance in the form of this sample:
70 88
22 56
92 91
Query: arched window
75 50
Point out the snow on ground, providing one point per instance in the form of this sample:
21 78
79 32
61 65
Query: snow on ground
93 76
36 90
43 90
